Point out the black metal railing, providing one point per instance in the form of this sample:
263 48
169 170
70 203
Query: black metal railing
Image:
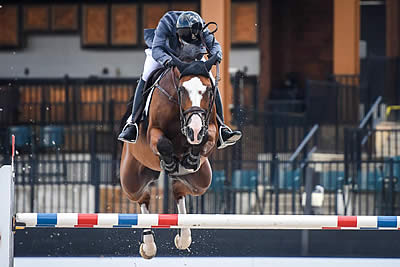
333 105
379 76
264 187
331 102
69 169
64 100
68 156
357 139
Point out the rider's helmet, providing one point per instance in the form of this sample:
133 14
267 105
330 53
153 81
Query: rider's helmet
189 26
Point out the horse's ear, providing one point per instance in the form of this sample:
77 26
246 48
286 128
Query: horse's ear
180 64
211 61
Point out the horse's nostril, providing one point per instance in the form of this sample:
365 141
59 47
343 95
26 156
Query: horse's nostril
200 135
190 134
199 138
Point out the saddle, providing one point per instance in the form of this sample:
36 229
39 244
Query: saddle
148 86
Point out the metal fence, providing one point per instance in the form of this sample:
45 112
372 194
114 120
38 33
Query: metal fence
380 77
64 100
279 126
70 104
68 157
263 187
332 102
78 171
333 105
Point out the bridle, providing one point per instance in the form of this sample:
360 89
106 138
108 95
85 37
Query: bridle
186 115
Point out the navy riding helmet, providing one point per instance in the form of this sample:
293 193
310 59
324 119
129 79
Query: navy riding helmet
189 26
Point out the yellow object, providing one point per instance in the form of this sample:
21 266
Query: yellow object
390 108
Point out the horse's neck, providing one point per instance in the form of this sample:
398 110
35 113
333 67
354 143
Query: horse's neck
173 79
168 98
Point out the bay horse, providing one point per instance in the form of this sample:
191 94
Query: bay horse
178 136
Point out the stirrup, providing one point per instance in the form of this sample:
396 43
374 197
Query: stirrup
221 144
123 139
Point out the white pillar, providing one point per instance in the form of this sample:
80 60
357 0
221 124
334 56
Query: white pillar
6 213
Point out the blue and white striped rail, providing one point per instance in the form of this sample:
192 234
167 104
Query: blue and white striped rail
207 221
195 221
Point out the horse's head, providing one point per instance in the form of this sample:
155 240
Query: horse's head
196 95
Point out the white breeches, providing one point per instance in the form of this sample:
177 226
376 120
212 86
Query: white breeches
149 65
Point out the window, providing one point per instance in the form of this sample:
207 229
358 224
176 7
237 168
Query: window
244 23
124 25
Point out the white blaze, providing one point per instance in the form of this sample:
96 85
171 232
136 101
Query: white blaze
195 89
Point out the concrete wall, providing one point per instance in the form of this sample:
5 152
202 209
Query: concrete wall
55 56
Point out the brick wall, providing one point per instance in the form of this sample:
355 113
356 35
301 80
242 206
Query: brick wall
301 40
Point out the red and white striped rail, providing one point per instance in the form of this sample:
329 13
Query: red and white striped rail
196 221
207 221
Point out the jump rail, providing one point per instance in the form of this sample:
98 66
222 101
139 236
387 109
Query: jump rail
8 222
206 221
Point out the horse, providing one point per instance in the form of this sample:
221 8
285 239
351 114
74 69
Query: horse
177 137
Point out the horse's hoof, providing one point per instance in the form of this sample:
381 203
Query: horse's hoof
149 254
182 243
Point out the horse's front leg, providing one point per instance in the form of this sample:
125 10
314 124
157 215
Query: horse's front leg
162 146
184 237
207 148
192 159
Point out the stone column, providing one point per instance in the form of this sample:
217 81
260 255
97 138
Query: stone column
220 12
346 37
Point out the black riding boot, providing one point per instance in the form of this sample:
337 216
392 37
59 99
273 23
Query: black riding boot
227 137
130 132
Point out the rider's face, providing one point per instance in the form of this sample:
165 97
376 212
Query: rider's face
187 35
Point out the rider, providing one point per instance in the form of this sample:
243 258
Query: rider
175 29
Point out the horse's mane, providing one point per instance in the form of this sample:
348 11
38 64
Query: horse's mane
190 53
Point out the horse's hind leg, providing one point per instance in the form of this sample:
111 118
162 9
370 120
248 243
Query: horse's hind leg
135 180
194 184
184 238
148 248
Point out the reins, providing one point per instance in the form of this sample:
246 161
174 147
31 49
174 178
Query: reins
165 92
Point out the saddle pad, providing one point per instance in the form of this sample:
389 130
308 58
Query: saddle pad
148 94
148 101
